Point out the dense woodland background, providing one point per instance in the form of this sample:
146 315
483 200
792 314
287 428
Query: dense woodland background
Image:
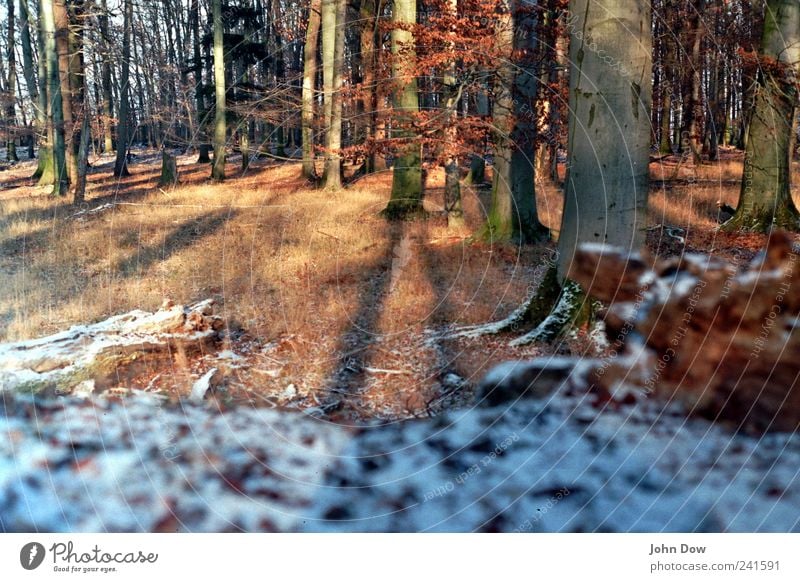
348 171
363 84
322 265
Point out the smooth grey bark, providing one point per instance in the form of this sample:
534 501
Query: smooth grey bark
765 199
220 124
55 111
333 141
609 127
308 93
407 192
123 126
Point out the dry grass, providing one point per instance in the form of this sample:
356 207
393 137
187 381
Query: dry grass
333 299
340 297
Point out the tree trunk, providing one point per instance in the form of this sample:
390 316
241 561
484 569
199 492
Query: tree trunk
452 187
406 197
44 171
108 101
169 170
609 127
194 17
123 126
56 114
513 215
765 199
308 96
220 124
65 56
11 88
333 143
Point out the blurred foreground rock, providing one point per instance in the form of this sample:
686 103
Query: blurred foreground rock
721 340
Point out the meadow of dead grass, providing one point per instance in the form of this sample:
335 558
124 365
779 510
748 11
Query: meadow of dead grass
336 299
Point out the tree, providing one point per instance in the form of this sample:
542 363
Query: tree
452 171
406 197
334 21
65 64
513 214
123 126
220 123
11 87
609 153
38 101
55 111
108 98
197 61
609 127
765 199
309 82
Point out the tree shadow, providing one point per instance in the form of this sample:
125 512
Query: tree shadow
354 349
443 311
188 234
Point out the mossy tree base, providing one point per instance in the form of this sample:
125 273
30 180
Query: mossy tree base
404 210
571 311
44 171
763 220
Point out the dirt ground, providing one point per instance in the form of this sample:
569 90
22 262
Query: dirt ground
325 301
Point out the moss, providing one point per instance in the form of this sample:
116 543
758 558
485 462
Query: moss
546 298
44 171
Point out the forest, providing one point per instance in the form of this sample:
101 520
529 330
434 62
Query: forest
399 265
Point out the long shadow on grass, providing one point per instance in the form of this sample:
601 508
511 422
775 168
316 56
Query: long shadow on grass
354 349
443 311
189 233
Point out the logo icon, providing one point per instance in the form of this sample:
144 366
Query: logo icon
32 555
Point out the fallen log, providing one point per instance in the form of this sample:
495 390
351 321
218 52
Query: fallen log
108 353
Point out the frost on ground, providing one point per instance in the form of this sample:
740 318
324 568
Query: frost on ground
558 444
559 463
101 353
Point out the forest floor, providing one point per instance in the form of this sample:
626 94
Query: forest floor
332 311
325 302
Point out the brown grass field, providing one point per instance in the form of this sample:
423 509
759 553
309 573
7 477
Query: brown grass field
324 299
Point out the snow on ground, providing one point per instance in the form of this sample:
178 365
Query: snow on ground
556 464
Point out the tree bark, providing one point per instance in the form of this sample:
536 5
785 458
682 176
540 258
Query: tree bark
513 215
765 199
197 61
108 100
406 197
220 124
55 111
11 88
123 126
609 127
308 95
333 142
65 56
